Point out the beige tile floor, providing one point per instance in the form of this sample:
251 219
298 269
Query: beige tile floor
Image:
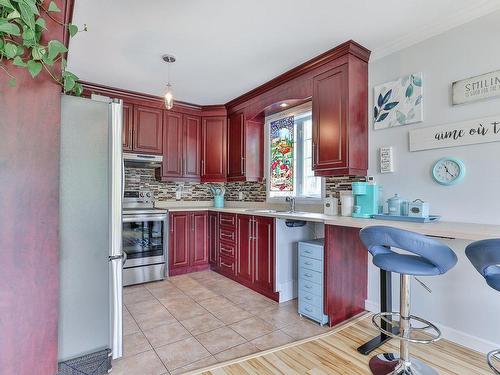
200 319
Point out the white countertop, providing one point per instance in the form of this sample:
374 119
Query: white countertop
447 229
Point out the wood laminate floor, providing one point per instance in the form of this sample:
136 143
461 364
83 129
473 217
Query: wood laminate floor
336 354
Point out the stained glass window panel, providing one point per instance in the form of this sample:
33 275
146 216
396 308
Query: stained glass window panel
282 168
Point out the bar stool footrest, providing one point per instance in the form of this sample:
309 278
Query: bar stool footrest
494 361
428 329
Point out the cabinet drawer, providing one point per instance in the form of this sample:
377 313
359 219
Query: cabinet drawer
315 252
227 220
315 277
311 264
227 235
226 249
226 265
310 287
315 312
311 299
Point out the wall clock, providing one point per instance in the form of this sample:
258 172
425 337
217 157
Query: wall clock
448 171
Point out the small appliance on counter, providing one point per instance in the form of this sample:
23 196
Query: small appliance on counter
346 203
218 192
365 199
331 206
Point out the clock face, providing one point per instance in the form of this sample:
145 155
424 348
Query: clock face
448 171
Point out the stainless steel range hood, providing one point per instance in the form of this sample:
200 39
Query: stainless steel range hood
142 160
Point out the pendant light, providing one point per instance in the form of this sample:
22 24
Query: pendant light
168 96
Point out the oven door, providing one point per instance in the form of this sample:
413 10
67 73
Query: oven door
144 239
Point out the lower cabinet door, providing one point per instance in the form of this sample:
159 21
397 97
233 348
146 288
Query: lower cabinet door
244 249
264 253
213 238
199 245
180 233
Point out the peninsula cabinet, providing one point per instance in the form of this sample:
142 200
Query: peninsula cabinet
213 149
181 147
245 149
142 129
188 245
339 116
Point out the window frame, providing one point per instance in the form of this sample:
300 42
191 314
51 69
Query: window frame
299 199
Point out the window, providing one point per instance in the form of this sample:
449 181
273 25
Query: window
289 155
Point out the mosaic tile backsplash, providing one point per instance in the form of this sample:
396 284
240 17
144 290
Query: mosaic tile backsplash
144 178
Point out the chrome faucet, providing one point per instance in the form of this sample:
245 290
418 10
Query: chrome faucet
291 200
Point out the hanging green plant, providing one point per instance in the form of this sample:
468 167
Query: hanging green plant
22 23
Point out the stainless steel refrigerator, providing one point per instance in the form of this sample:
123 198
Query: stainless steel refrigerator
91 189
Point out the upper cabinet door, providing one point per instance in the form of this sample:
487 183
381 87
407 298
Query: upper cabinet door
214 149
148 130
329 119
128 124
192 146
236 147
172 145
254 150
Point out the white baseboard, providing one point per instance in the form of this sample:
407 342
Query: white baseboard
451 334
288 291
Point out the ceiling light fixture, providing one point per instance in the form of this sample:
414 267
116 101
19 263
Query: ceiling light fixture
283 105
168 96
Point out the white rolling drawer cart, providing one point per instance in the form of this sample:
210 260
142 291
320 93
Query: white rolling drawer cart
311 271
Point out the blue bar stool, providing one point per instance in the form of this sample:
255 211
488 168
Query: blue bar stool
485 257
424 257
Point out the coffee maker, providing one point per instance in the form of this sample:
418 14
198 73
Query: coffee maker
366 198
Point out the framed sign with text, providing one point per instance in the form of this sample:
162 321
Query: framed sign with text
483 130
476 88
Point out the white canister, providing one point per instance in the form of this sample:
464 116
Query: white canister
331 206
346 203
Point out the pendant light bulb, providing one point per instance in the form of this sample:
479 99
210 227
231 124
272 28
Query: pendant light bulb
168 97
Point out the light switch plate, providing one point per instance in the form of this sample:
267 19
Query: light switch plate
240 195
178 195
386 159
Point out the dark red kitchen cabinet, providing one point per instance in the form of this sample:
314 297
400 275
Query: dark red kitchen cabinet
192 146
199 237
263 275
180 233
128 125
213 238
172 145
339 116
148 130
245 148
188 245
236 147
214 149
244 254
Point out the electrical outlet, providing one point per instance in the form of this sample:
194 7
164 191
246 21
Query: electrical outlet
386 159
178 195
240 195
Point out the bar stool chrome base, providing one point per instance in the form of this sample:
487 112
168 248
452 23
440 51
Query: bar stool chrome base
494 361
391 364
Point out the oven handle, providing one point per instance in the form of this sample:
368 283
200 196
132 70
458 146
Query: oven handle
146 217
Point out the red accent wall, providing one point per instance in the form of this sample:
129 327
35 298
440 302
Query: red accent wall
29 219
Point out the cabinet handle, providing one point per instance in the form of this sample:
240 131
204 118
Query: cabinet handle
242 165
226 235
307 286
226 265
314 154
308 263
185 164
307 251
203 167
308 309
308 298
307 275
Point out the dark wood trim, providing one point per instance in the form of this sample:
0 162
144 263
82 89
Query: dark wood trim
68 18
190 269
349 47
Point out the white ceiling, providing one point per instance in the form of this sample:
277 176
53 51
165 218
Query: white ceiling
225 48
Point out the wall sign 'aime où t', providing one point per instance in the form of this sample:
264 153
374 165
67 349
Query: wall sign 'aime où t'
476 88
483 130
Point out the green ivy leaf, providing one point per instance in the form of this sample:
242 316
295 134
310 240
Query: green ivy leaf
31 4
10 50
53 7
78 89
20 50
34 67
55 48
29 35
14 14
64 63
37 52
19 62
69 83
27 15
41 22
6 3
10 28
73 29
47 60
12 82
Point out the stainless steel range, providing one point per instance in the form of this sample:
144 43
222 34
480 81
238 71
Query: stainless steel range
144 238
